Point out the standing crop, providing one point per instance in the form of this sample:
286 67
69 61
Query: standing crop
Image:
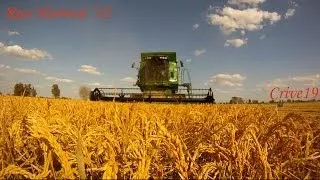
41 138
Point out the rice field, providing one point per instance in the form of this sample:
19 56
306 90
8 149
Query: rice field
73 139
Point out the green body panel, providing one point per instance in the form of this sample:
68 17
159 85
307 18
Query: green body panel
158 72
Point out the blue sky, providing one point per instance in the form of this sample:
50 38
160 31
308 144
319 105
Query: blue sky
237 47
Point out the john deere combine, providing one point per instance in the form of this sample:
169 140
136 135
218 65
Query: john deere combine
159 77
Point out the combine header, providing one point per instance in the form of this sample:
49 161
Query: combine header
159 79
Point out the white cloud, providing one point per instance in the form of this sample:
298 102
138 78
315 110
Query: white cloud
231 84
263 36
39 86
55 79
95 84
98 84
89 69
306 79
195 26
294 3
229 90
22 70
188 60
18 51
290 12
242 3
271 84
27 71
230 20
129 79
236 42
199 52
289 81
234 80
12 33
223 91
239 89
4 66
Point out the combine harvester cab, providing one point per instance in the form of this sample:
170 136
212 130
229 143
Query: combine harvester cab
159 79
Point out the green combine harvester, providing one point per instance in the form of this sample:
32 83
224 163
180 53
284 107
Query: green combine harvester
159 77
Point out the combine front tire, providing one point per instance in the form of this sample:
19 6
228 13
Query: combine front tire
210 99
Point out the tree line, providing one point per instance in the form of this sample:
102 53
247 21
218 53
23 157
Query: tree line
29 91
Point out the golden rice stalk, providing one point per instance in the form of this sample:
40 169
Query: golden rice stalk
263 154
80 157
144 161
15 170
176 147
110 170
226 142
47 161
7 153
39 129
111 167
206 169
